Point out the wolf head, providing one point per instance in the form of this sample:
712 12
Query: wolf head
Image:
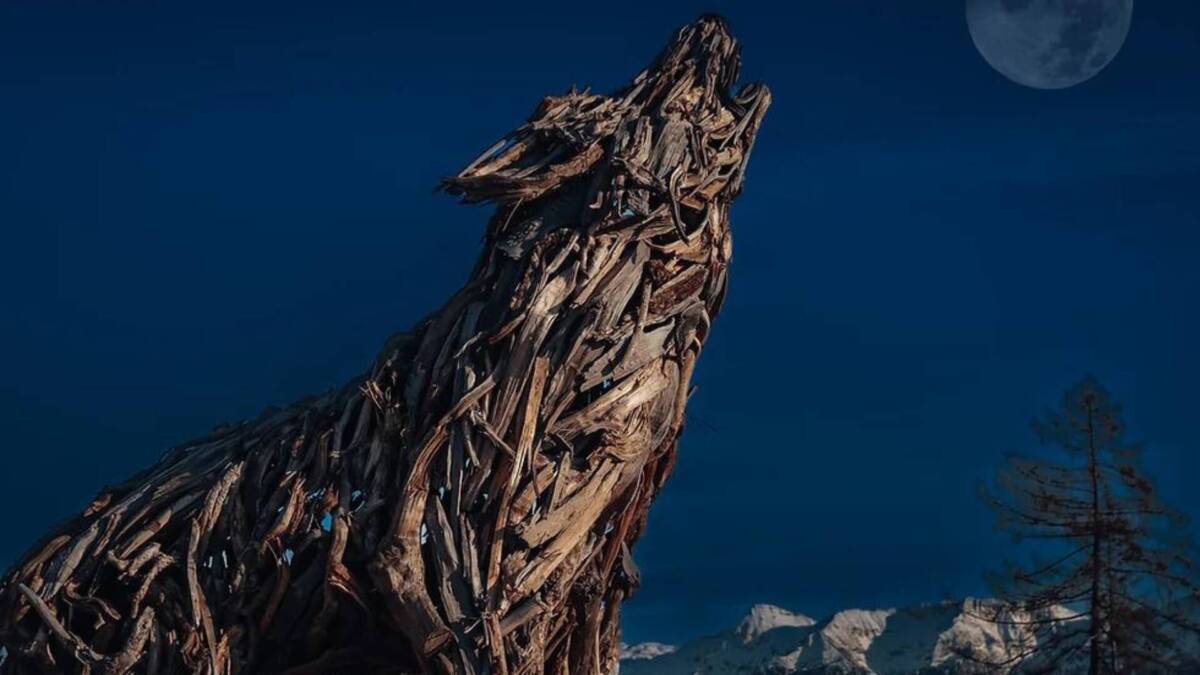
667 148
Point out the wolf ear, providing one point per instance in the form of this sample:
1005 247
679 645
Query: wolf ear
562 140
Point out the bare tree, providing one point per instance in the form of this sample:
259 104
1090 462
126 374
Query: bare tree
1114 592
469 504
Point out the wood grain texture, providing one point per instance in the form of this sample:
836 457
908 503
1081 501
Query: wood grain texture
469 504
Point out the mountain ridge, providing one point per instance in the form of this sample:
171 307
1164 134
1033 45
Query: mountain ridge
940 638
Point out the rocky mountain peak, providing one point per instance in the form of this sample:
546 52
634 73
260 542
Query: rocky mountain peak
763 617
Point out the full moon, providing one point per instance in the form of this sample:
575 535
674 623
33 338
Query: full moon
1049 44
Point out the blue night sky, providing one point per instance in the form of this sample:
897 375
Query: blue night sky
210 208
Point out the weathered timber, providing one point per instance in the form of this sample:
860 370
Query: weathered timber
469 504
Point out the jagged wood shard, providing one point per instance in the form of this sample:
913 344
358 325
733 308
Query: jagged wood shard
468 505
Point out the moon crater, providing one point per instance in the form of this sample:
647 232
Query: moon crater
1049 44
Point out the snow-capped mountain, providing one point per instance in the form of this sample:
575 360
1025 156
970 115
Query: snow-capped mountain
949 638
645 650
763 618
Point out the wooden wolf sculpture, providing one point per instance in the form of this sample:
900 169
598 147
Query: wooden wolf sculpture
469 504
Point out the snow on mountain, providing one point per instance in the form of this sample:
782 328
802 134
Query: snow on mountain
645 650
763 618
922 640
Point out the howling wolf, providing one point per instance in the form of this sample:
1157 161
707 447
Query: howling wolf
467 505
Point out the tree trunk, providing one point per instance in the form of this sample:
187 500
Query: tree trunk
468 505
1096 656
